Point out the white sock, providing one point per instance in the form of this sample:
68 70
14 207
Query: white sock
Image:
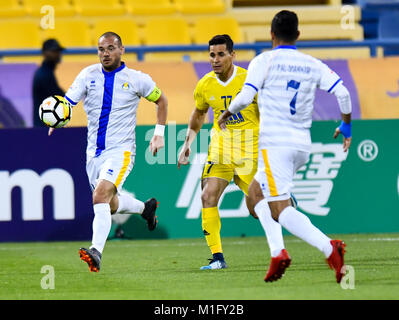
128 204
299 225
101 225
272 228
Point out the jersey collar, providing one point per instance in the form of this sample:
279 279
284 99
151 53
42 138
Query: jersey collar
228 80
285 47
111 73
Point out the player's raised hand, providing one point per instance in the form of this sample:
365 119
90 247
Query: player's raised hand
156 143
347 141
50 131
184 155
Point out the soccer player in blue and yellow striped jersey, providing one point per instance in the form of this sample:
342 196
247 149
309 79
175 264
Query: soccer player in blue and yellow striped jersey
233 152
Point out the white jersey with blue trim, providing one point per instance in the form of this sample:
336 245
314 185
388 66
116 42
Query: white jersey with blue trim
110 102
286 82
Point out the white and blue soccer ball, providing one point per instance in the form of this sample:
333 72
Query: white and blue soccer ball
55 111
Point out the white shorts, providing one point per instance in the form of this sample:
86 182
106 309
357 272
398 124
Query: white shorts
113 166
276 170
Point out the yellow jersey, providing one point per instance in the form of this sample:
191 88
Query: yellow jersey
240 140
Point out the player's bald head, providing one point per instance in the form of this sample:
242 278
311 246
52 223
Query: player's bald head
110 34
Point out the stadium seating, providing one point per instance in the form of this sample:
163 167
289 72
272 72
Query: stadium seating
166 31
149 7
70 32
308 32
198 7
388 26
177 22
11 8
281 3
99 8
206 28
125 27
62 8
306 14
17 34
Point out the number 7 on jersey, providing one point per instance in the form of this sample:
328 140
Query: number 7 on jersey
294 85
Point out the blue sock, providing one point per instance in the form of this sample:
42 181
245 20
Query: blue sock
218 256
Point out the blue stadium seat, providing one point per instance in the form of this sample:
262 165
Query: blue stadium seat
388 27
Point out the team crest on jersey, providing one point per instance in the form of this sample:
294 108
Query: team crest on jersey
125 86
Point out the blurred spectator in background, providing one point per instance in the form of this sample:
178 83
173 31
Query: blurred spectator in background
9 116
44 82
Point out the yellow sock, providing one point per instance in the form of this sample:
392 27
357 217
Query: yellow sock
211 226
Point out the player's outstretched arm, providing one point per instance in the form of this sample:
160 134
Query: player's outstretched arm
158 140
197 119
345 130
345 105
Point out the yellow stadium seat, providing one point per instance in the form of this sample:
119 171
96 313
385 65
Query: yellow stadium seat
206 28
203 6
11 8
306 14
308 32
126 28
22 34
62 8
150 7
281 3
166 31
241 55
99 8
70 33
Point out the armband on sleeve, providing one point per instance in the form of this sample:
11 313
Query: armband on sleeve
154 95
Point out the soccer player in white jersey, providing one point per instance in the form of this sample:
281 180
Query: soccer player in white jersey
111 94
286 81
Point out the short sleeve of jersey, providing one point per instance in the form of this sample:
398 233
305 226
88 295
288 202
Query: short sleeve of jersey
257 72
328 78
77 90
199 97
144 84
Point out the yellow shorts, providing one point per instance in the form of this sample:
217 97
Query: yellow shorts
242 172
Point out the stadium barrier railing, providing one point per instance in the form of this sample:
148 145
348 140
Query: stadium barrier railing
372 44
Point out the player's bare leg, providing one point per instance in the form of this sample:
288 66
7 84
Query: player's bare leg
212 189
280 259
300 225
251 207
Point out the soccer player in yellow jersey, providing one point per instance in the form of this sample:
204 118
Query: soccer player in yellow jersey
232 153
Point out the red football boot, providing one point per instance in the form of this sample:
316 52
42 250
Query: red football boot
277 266
336 259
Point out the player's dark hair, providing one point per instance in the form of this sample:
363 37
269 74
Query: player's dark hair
112 34
222 39
285 26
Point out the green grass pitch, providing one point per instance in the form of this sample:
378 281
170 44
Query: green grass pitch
169 269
